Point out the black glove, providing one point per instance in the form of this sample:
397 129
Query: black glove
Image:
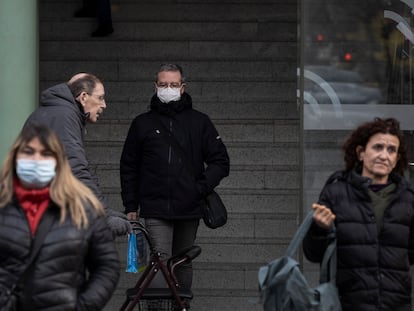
118 223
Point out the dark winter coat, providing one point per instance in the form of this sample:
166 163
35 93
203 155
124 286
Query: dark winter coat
155 177
59 111
373 267
76 269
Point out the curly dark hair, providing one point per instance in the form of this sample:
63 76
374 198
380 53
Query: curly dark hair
361 135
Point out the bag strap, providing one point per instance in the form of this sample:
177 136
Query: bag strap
169 137
328 265
299 235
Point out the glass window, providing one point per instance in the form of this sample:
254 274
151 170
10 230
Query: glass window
356 64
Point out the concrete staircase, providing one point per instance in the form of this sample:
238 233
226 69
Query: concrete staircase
240 58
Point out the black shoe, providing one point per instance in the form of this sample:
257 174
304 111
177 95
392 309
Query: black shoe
104 29
84 12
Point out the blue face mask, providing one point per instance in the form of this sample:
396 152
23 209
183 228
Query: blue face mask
35 174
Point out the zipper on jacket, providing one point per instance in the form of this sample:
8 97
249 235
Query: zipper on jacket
169 169
379 273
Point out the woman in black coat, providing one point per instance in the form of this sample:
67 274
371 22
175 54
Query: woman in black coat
372 207
77 265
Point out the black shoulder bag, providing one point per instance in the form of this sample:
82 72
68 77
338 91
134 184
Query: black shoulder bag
15 301
215 212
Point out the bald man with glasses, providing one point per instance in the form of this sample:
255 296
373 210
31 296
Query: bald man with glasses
67 108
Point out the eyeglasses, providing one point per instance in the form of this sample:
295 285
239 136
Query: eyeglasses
99 97
173 85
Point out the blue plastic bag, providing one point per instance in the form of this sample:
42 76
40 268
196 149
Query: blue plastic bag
132 260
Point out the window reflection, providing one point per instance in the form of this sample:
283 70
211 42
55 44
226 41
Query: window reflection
358 62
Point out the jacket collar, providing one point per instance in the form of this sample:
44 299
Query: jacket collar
172 108
60 95
84 116
362 183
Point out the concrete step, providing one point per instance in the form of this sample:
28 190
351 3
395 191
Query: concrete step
245 201
203 91
266 178
199 11
108 49
259 154
245 228
224 250
220 109
229 278
254 131
253 70
179 30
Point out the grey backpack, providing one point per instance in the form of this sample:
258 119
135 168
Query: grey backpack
284 288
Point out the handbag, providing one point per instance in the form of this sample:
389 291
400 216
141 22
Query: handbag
215 212
283 287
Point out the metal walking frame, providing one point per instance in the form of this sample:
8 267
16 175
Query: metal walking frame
171 298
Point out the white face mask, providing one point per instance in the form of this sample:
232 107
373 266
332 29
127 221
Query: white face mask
168 94
35 174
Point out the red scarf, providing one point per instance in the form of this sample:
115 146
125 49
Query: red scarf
34 202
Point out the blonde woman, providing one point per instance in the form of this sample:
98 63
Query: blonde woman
77 266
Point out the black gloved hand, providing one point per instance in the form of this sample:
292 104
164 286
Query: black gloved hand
118 223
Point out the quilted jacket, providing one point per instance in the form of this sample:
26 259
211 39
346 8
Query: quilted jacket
76 269
373 267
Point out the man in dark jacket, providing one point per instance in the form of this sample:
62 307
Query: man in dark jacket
66 108
372 207
166 184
